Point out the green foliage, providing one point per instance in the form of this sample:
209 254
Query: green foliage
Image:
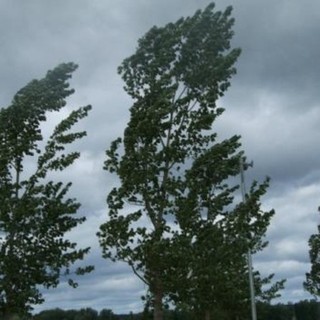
307 310
216 237
312 283
34 211
303 310
186 239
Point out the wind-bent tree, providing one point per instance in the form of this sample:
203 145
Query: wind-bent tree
215 236
172 170
35 214
312 283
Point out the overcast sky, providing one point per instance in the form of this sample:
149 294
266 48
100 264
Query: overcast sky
273 103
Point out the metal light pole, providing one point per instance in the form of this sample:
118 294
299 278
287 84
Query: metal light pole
251 283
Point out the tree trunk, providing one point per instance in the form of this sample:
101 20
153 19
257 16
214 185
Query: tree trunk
207 315
10 316
158 297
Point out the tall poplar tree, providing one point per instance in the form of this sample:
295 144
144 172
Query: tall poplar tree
172 168
35 213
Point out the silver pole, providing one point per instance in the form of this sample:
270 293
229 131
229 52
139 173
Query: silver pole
249 257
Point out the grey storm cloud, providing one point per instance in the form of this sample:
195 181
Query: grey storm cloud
273 103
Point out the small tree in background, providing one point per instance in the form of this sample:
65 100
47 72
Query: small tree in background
35 214
312 283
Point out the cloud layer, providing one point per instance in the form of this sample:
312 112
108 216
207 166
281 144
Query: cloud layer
273 103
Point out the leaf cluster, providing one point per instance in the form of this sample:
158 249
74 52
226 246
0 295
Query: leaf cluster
35 213
187 239
312 283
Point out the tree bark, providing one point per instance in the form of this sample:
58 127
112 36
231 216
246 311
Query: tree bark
158 297
207 315
10 316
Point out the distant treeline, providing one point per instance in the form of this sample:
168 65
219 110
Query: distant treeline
303 310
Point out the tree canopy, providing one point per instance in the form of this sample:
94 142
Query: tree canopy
174 206
302 310
312 283
35 213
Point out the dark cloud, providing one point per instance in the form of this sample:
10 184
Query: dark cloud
279 47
